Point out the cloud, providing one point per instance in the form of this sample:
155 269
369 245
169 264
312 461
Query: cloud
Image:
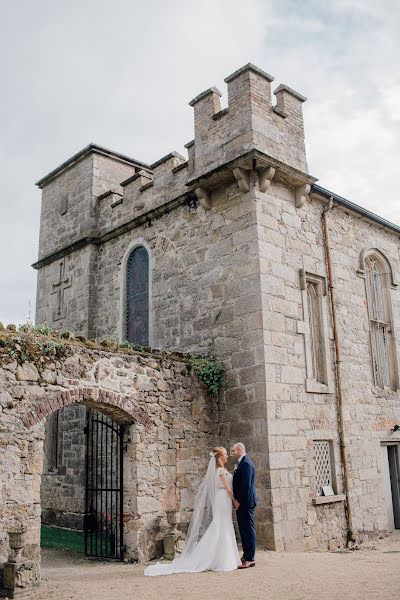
121 73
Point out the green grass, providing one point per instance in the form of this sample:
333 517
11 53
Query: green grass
67 539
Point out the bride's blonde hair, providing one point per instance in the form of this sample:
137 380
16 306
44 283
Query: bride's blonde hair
218 452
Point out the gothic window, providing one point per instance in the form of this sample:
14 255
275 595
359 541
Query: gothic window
137 297
315 330
378 280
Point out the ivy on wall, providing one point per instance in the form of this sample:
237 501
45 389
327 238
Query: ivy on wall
210 371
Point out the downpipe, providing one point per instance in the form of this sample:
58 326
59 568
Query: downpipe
339 389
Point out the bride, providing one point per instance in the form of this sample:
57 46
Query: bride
210 543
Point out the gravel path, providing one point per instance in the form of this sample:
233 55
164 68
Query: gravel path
371 573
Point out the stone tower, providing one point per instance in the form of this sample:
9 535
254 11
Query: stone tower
203 223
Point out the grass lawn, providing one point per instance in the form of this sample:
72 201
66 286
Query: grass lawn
57 537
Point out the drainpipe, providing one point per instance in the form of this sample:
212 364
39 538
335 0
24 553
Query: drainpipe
339 390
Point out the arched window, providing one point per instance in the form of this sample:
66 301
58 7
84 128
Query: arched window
378 280
137 297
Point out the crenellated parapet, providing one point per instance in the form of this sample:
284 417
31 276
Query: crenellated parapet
250 121
251 134
254 140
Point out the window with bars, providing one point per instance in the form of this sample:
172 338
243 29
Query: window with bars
377 280
324 468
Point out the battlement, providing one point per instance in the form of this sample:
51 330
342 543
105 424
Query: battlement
97 190
250 121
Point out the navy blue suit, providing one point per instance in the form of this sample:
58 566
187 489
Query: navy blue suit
244 490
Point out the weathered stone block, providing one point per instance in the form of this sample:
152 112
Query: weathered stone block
27 372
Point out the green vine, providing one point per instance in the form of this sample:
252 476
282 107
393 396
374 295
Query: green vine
210 371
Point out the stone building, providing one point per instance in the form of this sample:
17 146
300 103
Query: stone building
237 250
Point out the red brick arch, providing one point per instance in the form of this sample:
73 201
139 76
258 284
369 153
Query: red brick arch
121 409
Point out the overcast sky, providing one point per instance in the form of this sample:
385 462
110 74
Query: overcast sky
121 72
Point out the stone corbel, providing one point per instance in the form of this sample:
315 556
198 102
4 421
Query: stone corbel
243 178
265 176
204 197
301 194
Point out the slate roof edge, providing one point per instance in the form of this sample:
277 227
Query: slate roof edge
317 189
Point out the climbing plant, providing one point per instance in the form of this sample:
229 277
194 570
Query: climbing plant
210 371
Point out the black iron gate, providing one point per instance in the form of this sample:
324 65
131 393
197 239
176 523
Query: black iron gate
104 485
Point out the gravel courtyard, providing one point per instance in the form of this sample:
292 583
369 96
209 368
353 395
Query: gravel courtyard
371 573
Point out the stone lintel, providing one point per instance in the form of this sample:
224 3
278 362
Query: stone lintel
249 67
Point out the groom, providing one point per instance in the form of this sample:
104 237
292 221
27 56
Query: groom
244 490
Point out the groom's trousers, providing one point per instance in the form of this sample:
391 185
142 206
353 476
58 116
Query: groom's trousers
245 519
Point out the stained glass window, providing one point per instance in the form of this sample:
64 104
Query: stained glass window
137 297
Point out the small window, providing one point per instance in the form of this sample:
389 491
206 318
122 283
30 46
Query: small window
324 467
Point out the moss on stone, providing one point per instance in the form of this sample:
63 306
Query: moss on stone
37 344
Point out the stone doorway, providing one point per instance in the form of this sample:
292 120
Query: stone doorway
82 483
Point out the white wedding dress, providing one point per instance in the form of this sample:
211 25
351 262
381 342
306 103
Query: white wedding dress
214 548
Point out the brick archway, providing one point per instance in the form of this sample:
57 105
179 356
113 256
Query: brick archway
121 409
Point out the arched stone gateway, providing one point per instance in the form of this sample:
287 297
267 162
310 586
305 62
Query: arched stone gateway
168 428
121 409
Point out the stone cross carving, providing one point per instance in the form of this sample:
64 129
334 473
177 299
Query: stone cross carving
59 288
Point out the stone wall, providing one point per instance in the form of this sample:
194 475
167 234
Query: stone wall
291 240
169 429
